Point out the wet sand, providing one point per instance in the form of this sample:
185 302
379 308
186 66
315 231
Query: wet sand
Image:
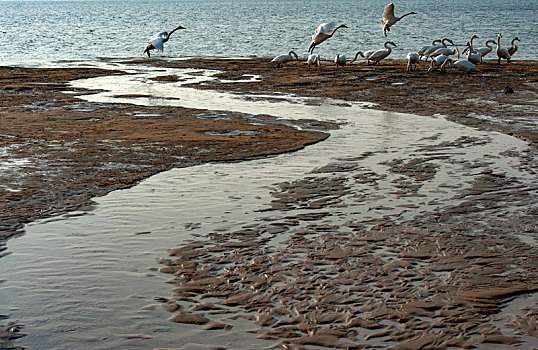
52 142
440 281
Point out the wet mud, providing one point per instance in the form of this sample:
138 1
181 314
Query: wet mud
58 151
442 280
437 280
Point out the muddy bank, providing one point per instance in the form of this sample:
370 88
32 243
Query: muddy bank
479 100
58 151
460 277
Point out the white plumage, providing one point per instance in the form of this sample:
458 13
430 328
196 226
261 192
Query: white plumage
340 60
284 58
438 46
464 65
388 19
156 41
378 55
323 32
412 60
313 60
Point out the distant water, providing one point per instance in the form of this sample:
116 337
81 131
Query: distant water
41 32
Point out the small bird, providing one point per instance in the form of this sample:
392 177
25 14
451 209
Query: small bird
156 42
340 60
464 65
284 58
512 49
381 54
413 59
313 60
388 19
323 32
502 53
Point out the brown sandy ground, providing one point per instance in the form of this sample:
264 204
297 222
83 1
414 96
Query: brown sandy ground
441 281
390 87
72 150
433 283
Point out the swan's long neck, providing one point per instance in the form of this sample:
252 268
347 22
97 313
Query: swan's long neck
498 41
168 36
489 42
407 14
335 29
359 53
388 47
293 54
443 42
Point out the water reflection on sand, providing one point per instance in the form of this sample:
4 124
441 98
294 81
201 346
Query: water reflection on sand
89 280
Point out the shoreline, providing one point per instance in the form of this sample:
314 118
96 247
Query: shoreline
388 87
440 279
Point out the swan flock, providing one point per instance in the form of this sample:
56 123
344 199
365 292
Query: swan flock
440 51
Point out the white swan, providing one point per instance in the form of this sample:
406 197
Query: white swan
284 58
413 59
435 47
464 65
381 54
437 62
443 51
483 51
512 49
471 56
471 41
156 42
313 60
424 48
340 60
502 53
323 32
388 19
364 55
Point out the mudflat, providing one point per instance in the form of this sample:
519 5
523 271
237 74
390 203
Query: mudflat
436 281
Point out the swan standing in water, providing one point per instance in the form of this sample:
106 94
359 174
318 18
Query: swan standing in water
156 42
323 32
388 19
413 59
313 60
502 53
284 58
464 65
512 49
381 54
340 60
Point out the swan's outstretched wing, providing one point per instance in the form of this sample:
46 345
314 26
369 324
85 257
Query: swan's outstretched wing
325 28
388 13
157 42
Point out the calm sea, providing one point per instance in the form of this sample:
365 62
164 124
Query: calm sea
40 32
